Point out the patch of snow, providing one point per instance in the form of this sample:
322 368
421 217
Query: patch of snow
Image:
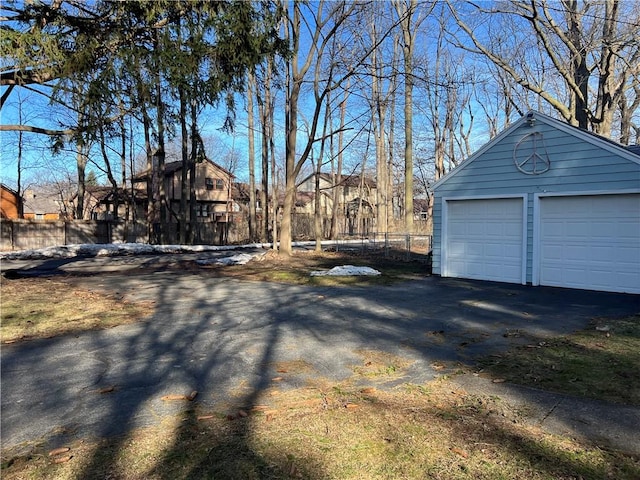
239 259
346 270
114 250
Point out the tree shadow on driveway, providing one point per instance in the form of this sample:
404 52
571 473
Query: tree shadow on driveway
221 338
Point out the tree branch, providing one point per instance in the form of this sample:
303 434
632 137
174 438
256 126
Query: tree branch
40 130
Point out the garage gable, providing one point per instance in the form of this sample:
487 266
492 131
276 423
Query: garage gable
539 158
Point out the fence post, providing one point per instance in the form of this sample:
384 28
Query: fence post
408 246
386 244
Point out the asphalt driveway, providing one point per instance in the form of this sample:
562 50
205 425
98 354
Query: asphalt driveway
225 339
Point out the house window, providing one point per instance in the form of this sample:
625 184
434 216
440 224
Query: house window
203 209
209 183
219 184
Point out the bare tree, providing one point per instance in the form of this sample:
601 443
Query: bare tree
323 26
592 47
410 19
251 87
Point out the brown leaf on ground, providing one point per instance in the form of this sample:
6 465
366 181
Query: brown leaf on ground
259 408
168 398
64 459
58 451
460 452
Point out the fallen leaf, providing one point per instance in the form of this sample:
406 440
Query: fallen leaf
191 397
108 389
205 417
460 452
277 379
259 408
58 451
499 380
368 391
243 414
64 459
167 398
351 405
283 370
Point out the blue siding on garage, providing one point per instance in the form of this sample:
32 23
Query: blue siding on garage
579 162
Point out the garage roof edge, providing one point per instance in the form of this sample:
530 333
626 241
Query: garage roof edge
587 136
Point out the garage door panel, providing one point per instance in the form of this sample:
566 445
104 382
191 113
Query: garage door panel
484 239
627 231
591 242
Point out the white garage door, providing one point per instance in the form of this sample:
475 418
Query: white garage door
591 242
484 239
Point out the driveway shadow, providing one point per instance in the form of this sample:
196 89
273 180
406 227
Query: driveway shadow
224 339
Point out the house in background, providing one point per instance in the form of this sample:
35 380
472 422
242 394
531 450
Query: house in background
356 199
543 203
213 191
105 203
10 203
46 204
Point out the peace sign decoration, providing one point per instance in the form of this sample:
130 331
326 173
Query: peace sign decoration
529 161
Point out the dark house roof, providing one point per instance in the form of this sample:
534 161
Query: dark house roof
8 189
633 149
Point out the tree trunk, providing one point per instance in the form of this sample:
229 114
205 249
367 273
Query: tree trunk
184 170
251 157
196 153
81 164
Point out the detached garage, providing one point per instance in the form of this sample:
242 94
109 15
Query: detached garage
543 203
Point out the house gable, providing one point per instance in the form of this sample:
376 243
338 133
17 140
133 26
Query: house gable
213 183
10 202
535 157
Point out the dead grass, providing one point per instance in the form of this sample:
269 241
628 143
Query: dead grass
45 307
600 362
336 431
296 269
339 432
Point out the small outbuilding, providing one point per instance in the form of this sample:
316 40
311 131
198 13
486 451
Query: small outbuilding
543 203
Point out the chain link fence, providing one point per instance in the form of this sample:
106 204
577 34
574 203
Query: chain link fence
414 247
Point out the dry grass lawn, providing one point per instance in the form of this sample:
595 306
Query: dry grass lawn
324 430
337 432
47 307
